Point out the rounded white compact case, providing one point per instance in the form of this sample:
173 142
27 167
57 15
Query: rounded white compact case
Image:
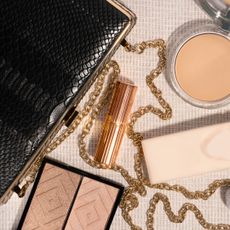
198 65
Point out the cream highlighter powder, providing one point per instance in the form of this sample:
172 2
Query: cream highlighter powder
52 199
203 69
92 206
66 198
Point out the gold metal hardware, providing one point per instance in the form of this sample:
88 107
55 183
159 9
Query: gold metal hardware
70 116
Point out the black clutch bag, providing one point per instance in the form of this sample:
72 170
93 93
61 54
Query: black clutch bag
50 54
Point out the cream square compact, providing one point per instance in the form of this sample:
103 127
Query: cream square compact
67 198
198 63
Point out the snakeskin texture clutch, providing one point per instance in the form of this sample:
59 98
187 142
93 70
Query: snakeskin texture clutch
50 54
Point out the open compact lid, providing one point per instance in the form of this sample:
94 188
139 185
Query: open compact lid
218 10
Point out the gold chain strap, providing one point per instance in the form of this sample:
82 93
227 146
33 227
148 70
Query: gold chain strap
137 186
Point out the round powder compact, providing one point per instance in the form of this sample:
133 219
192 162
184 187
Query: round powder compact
202 67
198 63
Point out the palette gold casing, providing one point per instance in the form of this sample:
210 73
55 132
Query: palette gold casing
51 53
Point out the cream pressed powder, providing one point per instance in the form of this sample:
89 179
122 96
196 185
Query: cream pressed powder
66 198
227 2
202 67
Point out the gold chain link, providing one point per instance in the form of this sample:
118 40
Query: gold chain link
137 186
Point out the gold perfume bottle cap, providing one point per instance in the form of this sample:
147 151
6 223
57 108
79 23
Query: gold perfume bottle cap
115 123
122 101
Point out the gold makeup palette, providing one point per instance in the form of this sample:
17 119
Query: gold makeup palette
67 198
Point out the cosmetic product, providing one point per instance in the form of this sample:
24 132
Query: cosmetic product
187 153
115 123
198 62
67 198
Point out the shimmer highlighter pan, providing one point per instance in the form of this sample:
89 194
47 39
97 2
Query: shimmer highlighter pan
67 198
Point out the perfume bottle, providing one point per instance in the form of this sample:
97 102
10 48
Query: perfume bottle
115 123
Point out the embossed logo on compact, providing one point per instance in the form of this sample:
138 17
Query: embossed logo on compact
217 145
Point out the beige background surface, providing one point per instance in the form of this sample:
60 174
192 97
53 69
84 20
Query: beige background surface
156 19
